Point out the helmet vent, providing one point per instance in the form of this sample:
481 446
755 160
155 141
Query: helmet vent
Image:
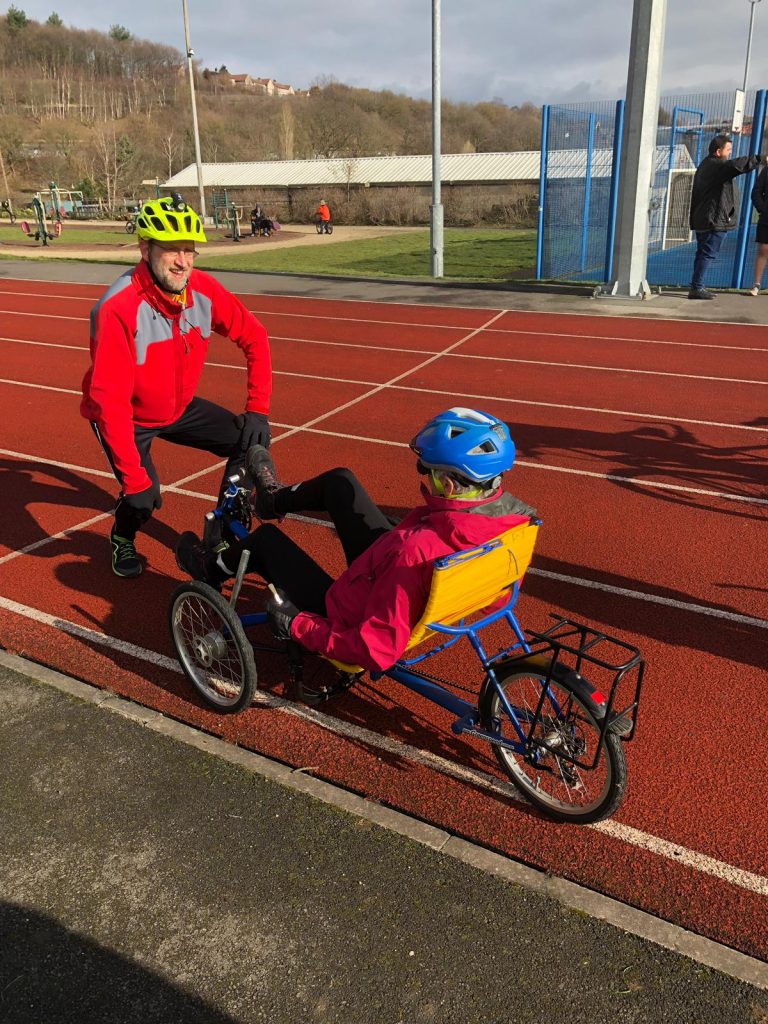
486 448
157 224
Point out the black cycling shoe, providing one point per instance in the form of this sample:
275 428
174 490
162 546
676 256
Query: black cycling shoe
266 483
125 562
700 293
192 558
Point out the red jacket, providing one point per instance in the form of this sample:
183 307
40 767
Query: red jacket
374 605
323 212
147 355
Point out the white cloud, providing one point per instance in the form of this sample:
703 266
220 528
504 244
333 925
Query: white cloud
517 50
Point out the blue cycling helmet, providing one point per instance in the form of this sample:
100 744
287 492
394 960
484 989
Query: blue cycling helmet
472 444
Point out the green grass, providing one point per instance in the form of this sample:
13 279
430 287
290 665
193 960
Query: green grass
469 255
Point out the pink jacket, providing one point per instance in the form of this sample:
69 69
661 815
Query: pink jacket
374 605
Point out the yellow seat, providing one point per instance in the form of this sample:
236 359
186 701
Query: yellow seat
469 581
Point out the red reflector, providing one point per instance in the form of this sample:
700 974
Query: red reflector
598 698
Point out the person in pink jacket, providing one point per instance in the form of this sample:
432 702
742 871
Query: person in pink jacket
366 616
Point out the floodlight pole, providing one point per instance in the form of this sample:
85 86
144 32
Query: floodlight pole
196 130
638 151
436 209
752 5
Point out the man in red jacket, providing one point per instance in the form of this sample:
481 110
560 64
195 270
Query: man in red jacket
366 616
149 339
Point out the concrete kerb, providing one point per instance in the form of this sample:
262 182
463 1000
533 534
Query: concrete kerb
575 897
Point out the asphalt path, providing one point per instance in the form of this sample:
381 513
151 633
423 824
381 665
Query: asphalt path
146 877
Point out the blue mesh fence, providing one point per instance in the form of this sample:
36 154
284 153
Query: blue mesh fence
579 185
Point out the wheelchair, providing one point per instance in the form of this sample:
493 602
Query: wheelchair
557 734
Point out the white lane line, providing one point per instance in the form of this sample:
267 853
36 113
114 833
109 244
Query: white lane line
458 355
568 470
436 391
663 848
393 380
453 327
177 488
668 602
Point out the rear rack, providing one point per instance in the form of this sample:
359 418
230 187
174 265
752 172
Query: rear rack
621 669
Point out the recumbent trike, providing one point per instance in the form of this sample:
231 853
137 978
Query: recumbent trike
555 734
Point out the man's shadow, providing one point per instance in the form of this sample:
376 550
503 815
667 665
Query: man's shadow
50 973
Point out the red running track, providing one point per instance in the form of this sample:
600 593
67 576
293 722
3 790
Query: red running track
643 445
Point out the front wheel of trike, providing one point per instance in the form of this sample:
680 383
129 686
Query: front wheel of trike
566 731
212 647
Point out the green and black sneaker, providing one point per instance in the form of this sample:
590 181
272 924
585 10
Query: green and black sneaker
125 561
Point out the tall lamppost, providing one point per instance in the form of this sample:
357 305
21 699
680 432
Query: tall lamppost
752 4
198 161
436 209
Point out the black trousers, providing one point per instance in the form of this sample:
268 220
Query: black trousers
203 425
279 560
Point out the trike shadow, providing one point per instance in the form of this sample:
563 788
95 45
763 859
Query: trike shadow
664 453
676 622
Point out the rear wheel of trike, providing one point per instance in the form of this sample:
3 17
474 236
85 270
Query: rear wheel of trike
212 647
569 728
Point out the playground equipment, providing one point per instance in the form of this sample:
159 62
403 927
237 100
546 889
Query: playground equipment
40 230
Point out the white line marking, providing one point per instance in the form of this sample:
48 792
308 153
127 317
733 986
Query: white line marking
453 327
663 848
393 380
668 602
177 488
392 385
512 360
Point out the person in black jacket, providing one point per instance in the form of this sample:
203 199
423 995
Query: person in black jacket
760 203
713 207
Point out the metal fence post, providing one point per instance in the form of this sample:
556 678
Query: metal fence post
613 198
745 213
587 190
542 190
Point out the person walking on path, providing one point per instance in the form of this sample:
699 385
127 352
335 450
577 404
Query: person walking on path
149 340
713 206
760 203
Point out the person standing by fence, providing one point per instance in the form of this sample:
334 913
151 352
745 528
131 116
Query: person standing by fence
713 206
760 203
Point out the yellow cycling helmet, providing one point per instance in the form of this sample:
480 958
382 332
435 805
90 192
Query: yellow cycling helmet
169 220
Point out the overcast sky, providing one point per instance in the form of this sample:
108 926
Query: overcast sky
513 50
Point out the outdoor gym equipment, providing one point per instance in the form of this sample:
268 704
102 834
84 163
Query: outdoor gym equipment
41 231
556 735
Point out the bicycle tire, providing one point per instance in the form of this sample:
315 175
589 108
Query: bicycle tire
563 791
130 226
212 648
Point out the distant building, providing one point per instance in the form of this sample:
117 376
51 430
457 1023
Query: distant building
268 86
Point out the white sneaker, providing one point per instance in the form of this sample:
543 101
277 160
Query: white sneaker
754 290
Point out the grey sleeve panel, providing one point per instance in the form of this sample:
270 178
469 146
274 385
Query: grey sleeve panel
199 315
114 289
151 327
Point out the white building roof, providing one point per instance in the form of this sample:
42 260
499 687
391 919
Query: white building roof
364 170
457 168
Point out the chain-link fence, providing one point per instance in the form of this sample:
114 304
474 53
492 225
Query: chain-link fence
579 187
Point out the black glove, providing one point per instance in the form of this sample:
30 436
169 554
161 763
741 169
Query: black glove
281 612
255 430
145 501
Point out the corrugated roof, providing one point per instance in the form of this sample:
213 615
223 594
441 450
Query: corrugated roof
459 168
364 170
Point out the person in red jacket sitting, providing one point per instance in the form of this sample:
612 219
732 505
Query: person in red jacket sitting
149 340
367 615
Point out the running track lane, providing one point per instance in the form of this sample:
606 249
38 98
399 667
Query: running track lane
539 842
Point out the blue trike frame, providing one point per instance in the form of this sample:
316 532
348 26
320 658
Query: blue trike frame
565 645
